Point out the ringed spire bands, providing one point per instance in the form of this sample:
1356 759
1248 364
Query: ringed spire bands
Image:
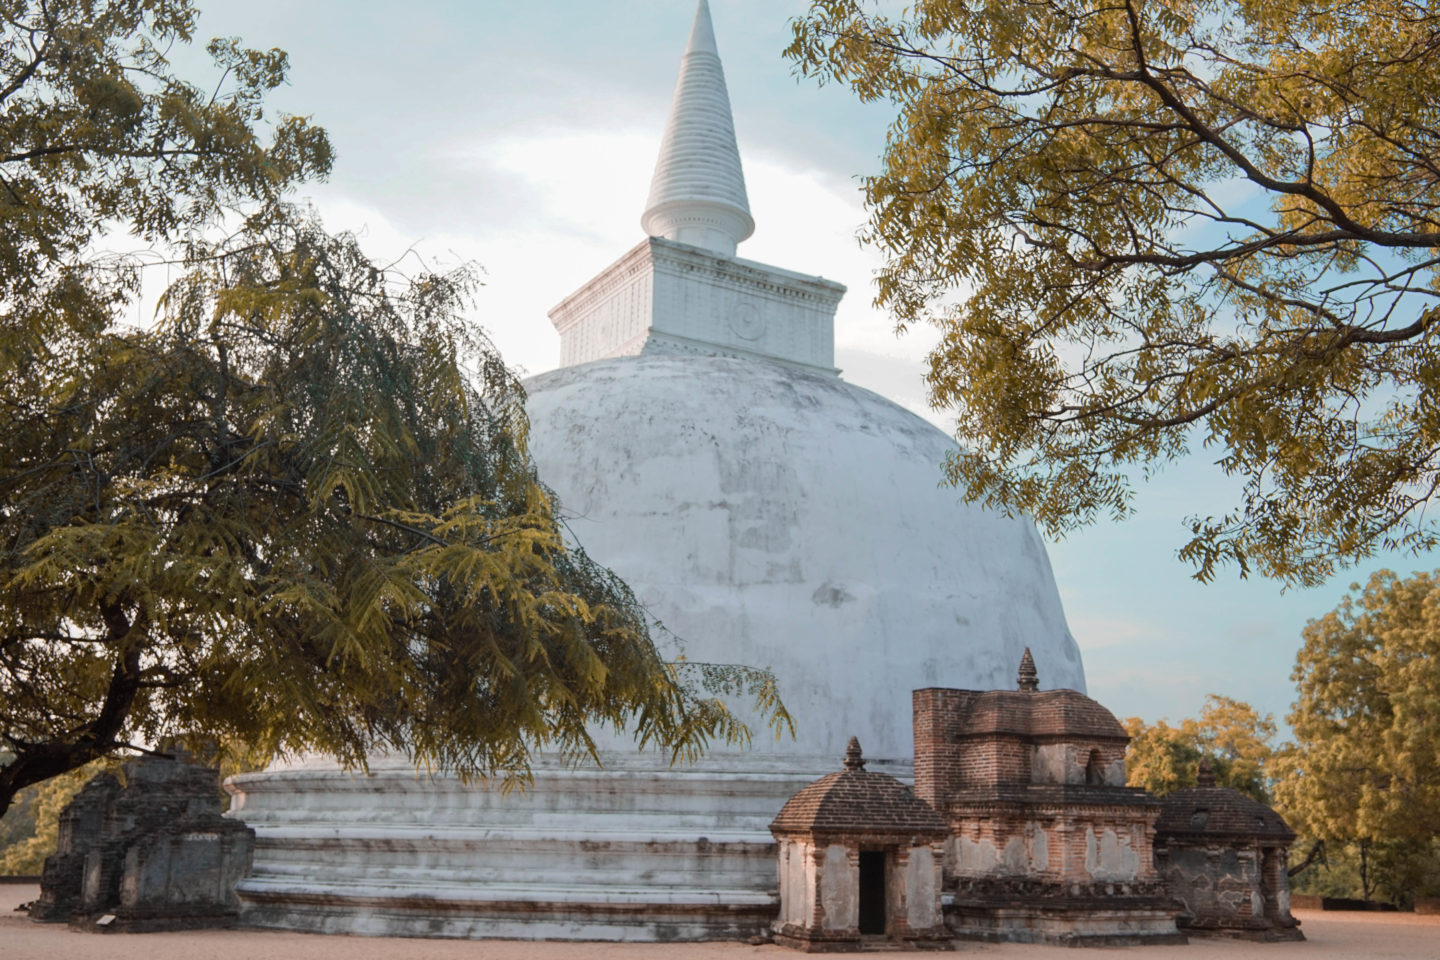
697 195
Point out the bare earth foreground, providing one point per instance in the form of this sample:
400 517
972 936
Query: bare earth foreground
1332 936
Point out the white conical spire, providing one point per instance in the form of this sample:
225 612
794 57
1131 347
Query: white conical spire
698 193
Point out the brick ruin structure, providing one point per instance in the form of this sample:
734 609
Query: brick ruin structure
1223 857
1047 843
153 854
81 822
860 862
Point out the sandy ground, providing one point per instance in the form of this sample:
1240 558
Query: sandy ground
1332 936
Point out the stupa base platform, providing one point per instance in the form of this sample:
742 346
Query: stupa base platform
632 852
514 913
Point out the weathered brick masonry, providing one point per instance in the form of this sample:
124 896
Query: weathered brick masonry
859 856
1223 856
1046 841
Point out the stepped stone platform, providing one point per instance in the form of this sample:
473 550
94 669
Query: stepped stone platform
629 852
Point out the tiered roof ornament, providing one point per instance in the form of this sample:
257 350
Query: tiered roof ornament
1028 679
697 195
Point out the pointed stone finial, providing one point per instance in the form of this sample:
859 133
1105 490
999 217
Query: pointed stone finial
1205 777
698 194
853 759
1029 680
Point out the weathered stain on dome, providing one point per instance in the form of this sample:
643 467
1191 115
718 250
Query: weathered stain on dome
783 518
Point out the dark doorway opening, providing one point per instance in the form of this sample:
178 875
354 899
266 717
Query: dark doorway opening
872 892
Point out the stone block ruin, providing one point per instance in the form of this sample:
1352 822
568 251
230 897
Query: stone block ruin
153 853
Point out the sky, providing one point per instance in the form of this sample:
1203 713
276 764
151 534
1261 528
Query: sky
522 137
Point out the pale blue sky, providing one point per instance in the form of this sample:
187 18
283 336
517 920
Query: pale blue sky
522 135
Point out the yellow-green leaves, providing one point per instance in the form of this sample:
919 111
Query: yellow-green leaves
1145 224
1232 734
1367 721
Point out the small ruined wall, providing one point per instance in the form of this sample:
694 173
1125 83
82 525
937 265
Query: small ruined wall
1217 886
154 854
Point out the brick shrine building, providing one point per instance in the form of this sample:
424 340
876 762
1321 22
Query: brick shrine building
1046 842
1223 857
859 861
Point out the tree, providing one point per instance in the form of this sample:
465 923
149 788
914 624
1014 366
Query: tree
297 513
96 132
1233 734
1365 766
1142 224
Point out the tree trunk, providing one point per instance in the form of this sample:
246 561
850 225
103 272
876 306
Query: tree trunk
37 762
1365 868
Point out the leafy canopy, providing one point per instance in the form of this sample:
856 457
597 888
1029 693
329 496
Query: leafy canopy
1234 735
1366 763
297 513
1145 223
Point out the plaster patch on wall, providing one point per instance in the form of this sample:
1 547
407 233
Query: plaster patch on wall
975 858
920 889
793 883
1110 857
1016 858
838 890
1039 848
1050 763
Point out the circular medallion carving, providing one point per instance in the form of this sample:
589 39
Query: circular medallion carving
745 322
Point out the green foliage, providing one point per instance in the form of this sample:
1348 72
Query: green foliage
35 834
1397 871
96 133
298 513
1236 738
1145 223
1366 760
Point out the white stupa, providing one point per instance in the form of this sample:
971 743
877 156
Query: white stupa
768 513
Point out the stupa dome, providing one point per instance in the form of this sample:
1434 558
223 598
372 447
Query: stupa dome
779 517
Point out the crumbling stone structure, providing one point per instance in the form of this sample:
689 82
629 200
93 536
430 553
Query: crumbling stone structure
1046 841
1223 857
859 860
81 823
155 854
